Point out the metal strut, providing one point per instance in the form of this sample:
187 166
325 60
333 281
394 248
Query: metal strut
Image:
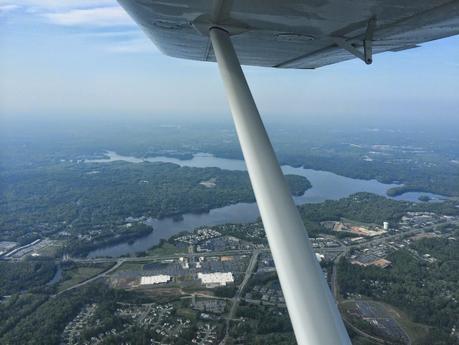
312 309
367 55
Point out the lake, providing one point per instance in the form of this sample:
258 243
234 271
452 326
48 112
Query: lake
325 186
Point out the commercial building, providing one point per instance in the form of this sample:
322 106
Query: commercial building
212 280
370 260
158 279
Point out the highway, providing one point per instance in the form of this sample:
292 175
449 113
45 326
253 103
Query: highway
119 261
87 281
333 251
237 297
166 257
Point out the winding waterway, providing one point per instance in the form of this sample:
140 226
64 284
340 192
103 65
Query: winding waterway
57 276
325 186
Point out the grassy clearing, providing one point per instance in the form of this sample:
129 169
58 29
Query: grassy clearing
166 249
187 313
357 223
80 274
53 250
130 266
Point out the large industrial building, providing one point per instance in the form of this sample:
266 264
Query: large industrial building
152 280
212 280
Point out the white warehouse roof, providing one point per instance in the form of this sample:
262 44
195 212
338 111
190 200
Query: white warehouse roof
216 278
150 280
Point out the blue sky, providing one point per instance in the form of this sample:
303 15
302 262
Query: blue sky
69 58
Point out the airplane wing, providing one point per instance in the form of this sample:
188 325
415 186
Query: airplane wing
294 33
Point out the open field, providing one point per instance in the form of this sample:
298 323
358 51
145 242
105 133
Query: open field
130 266
166 249
80 274
52 250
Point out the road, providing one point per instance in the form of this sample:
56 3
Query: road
120 261
166 257
237 296
334 279
87 281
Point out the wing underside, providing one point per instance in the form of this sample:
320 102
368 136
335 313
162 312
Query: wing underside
293 34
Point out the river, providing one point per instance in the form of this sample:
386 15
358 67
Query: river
325 186
57 276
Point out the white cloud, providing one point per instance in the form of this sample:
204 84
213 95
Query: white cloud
59 4
120 34
7 8
102 16
141 45
71 12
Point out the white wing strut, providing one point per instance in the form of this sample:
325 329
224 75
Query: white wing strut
312 309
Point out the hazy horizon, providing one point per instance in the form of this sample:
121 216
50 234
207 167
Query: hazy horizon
88 60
